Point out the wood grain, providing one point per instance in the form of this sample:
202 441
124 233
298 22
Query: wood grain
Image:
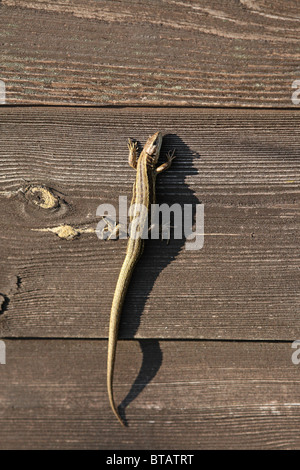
235 53
187 395
243 165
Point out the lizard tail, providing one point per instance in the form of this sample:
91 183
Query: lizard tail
110 373
115 314
118 300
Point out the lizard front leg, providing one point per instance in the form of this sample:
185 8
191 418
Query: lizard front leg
165 166
133 153
170 157
112 230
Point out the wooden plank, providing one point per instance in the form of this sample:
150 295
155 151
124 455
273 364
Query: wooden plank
187 395
244 167
87 52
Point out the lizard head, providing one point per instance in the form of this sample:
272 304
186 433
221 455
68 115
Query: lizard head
153 145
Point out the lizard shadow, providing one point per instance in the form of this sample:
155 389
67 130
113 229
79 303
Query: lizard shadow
170 189
152 360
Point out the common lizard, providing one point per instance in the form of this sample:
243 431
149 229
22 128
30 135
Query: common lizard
143 196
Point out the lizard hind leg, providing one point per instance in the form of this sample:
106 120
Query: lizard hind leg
112 231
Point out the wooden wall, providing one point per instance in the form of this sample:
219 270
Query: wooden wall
205 353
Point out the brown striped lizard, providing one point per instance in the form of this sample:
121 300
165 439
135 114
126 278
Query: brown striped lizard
142 198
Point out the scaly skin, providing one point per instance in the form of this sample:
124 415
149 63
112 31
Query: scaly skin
143 194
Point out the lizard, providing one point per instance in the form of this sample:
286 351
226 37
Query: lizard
142 198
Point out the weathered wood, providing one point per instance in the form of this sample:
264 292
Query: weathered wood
159 53
188 395
243 284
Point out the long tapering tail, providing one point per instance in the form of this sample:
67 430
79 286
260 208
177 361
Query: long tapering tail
115 315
